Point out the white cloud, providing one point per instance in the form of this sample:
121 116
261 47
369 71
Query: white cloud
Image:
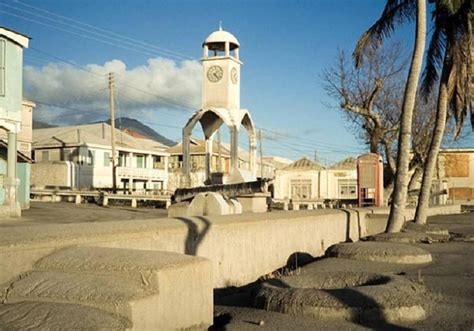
167 84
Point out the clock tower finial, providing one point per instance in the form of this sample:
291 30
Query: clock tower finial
220 25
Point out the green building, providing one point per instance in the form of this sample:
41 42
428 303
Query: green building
11 94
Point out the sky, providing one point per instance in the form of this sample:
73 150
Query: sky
154 47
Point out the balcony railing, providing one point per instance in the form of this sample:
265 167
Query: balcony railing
141 173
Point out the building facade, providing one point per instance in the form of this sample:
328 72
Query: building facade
220 163
12 44
79 157
456 172
306 181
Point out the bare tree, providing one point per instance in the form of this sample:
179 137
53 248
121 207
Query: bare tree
370 97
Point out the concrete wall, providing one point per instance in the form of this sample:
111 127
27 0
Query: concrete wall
241 247
56 173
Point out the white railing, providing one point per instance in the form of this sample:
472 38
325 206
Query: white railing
141 173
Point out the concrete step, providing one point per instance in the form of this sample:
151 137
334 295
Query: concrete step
37 315
152 290
116 295
138 265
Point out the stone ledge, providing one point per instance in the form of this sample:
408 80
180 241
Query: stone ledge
380 252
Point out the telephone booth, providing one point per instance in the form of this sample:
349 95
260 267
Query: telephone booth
370 180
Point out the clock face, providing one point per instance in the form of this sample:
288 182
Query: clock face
234 76
214 74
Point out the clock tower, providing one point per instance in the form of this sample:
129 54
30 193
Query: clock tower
221 71
221 106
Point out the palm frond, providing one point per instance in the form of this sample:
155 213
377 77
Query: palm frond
395 12
434 61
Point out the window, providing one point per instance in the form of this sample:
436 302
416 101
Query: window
140 161
2 66
90 157
300 189
347 188
106 159
158 162
44 155
121 159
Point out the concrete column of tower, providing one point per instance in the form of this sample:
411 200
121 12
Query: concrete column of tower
234 148
186 159
253 154
209 144
227 48
205 51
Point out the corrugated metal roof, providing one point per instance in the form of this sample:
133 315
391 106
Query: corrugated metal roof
303 164
93 134
347 164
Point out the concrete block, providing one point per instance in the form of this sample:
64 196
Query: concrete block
134 203
78 199
235 206
353 226
179 209
215 204
255 203
197 206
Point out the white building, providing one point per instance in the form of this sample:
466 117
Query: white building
80 157
307 181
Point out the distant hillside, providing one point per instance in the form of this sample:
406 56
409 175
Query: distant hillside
137 126
42 125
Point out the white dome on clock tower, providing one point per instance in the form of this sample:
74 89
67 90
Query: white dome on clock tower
221 71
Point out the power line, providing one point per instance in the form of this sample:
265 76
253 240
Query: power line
68 62
81 34
169 100
312 143
92 27
177 103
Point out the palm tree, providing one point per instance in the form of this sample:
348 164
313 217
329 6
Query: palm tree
449 52
397 12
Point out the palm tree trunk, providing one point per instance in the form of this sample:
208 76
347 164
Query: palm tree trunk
430 164
396 218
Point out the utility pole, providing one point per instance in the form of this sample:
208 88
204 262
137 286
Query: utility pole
260 139
112 129
315 156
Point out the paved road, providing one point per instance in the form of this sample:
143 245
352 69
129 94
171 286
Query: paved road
66 212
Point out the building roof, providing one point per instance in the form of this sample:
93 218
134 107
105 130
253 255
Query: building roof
20 156
198 147
92 134
347 164
220 36
18 38
277 161
303 164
